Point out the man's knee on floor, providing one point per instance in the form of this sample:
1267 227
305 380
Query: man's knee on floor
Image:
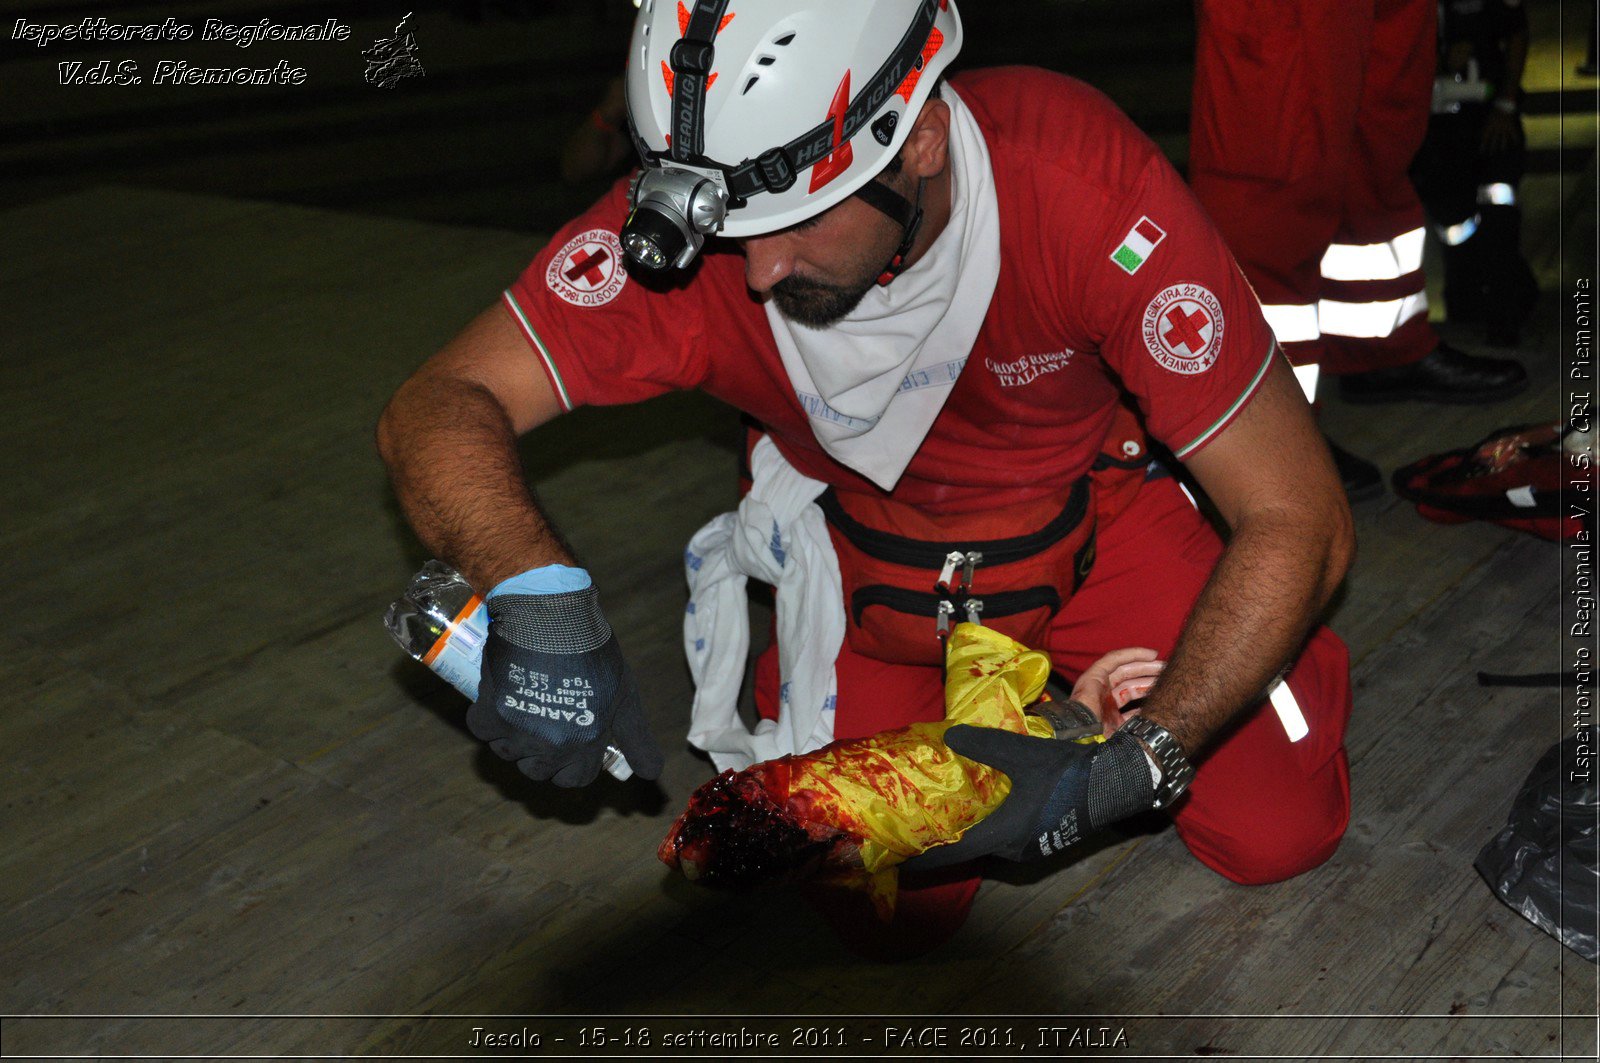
1275 849
1260 865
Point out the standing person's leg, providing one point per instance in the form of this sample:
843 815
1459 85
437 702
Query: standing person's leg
1270 129
1374 310
1445 174
1271 795
1510 288
1275 95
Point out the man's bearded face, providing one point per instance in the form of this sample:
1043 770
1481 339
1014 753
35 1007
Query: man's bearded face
837 257
817 305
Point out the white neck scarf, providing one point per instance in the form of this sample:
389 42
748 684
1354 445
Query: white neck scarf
874 381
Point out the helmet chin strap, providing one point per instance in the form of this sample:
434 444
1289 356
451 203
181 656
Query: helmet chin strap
903 212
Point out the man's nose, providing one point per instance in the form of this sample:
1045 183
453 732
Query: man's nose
767 260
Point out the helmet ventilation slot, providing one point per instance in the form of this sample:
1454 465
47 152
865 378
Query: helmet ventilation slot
767 60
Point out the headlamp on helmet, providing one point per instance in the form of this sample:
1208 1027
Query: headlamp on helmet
783 86
674 209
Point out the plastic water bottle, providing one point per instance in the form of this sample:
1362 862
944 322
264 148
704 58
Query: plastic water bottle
442 622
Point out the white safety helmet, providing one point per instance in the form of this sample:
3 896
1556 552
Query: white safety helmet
752 115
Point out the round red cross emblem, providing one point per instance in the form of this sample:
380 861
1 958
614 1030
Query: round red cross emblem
1183 328
587 271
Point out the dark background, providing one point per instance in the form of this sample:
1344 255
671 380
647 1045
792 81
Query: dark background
476 140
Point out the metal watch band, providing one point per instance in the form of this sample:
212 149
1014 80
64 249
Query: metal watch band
1176 771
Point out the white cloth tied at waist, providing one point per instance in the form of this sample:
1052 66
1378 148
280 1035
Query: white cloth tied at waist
779 536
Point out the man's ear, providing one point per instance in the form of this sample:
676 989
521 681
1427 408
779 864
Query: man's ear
927 149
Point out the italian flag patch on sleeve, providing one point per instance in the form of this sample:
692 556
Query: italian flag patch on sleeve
1137 245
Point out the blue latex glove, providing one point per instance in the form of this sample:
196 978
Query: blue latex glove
1060 793
555 690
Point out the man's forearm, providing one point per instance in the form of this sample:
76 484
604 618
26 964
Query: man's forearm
452 457
1250 620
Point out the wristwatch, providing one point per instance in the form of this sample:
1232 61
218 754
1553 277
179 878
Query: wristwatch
1176 771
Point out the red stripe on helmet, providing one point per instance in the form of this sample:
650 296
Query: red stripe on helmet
839 160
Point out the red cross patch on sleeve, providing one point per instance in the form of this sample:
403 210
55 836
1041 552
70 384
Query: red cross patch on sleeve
588 271
1183 328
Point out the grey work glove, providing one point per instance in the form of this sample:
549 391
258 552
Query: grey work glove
1060 792
555 690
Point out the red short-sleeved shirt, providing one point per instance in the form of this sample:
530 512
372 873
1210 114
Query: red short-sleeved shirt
1111 279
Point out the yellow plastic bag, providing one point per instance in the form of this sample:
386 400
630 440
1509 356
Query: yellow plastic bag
855 809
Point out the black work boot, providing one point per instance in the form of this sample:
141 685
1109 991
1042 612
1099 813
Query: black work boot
1360 477
1445 375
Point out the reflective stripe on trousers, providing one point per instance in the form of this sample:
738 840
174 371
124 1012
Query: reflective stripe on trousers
1296 323
1333 318
1387 261
1390 260
1306 376
1370 320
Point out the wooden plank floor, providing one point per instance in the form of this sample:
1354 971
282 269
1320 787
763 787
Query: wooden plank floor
226 795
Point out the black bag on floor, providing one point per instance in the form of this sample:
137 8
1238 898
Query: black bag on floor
1546 862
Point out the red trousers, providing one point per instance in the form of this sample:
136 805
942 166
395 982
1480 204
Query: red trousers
1260 808
1305 119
